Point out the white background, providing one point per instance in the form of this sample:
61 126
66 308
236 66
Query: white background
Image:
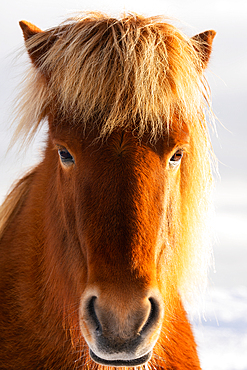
223 337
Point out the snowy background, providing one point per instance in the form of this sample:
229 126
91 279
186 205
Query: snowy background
222 331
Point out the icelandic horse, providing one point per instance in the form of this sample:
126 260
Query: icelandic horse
100 241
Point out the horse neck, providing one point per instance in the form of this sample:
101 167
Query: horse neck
30 259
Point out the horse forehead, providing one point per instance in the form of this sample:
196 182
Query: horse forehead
90 139
121 148
125 149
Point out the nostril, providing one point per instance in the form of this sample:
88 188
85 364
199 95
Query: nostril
92 315
153 315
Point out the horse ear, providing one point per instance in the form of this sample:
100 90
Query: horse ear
203 45
40 46
28 29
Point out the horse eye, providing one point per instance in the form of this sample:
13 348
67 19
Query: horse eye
65 156
176 158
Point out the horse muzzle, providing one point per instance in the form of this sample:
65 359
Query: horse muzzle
121 334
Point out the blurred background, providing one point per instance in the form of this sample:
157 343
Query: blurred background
222 332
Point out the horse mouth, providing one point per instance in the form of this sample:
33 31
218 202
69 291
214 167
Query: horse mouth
121 363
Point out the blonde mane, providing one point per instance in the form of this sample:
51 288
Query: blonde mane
133 72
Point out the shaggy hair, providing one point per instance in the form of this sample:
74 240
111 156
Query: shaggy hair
136 73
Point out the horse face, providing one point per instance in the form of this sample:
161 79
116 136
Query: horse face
122 190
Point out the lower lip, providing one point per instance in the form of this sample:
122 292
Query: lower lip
121 363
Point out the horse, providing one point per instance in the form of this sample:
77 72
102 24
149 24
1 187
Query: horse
103 240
